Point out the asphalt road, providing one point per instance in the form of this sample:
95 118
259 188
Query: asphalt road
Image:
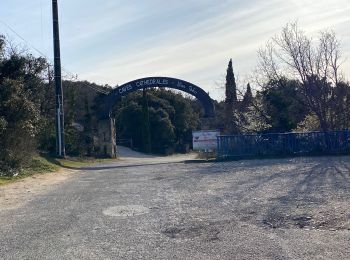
162 208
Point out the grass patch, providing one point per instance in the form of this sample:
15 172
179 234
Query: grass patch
37 165
45 164
4 180
40 165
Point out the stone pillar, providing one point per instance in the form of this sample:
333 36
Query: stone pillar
107 138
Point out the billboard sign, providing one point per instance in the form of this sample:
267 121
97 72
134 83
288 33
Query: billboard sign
205 140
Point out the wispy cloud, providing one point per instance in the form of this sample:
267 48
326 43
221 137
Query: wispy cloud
117 41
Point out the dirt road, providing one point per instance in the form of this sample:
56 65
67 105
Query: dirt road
149 207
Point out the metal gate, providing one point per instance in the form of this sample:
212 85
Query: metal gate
283 144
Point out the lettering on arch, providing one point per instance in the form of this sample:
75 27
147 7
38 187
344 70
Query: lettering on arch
165 82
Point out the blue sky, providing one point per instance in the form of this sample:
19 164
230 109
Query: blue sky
114 41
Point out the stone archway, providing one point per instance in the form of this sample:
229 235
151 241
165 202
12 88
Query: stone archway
106 129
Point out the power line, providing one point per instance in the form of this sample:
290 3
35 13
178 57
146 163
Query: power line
69 74
32 46
19 36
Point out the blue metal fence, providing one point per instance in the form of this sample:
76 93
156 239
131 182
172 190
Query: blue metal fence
283 144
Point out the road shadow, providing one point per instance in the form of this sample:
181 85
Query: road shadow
286 193
102 168
312 200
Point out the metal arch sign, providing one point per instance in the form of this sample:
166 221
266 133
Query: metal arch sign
166 82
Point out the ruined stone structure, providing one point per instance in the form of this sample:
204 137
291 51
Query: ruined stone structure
106 138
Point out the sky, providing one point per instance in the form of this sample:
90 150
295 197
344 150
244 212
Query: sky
116 41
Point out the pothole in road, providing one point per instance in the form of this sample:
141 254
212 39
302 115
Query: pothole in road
126 211
207 231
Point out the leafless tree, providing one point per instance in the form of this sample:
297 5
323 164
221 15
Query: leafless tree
317 65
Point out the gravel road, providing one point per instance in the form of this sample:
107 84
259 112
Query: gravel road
147 207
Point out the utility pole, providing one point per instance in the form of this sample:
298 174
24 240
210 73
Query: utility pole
60 144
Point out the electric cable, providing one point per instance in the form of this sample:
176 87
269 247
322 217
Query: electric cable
69 74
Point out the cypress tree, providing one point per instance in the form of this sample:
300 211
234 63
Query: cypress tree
231 92
248 97
230 101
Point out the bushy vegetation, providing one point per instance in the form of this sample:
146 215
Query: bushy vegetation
21 105
27 110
